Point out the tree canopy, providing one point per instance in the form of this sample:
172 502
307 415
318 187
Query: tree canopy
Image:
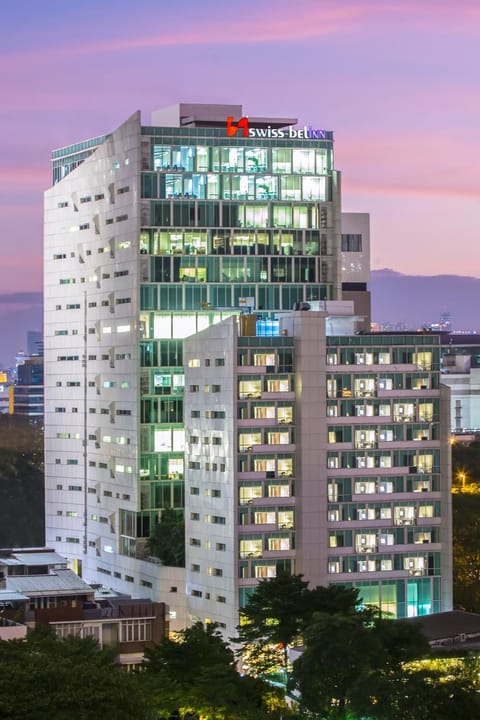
352 663
46 678
280 608
21 482
195 676
167 541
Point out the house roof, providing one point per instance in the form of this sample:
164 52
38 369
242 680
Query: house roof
58 583
9 595
448 625
39 558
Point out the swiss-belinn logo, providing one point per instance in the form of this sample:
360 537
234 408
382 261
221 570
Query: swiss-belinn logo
307 132
232 129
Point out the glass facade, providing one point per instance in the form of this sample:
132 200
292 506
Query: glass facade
227 224
384 473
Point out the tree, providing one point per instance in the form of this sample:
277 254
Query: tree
353 667
466 551
167 541
46 678
274 614
431 690
466 459
195 676
21 482
280 608
339 653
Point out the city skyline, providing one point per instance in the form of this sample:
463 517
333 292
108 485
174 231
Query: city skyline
385 78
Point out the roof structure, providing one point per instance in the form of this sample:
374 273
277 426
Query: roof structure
58 582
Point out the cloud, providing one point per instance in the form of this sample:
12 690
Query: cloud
406 190
422 163
255 23
33 177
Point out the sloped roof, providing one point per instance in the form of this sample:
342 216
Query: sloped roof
59 582
39 558
446 625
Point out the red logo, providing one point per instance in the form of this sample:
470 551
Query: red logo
232 129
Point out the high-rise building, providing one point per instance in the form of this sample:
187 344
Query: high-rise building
152 235
318 451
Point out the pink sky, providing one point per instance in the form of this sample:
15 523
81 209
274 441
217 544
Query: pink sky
397 82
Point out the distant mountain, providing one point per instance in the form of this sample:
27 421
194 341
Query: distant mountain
415 300
418 300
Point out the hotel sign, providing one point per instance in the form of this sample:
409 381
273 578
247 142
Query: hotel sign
305 133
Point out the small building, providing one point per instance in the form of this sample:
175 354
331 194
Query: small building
38 588
452 630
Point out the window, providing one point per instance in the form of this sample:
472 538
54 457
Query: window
278 385
351 242
249 389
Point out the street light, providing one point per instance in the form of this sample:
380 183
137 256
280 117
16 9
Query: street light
462 476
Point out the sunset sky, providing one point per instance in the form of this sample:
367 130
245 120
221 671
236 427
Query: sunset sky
397 82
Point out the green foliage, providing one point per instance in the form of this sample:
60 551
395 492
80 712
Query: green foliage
278 610
431 690
21 482
195 677
466 459
466 551
466 527
45 678
167 541
356 669
338 654
354 663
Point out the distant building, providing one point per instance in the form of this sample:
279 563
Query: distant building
4 393
461 372
28 392
34 343
355 257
